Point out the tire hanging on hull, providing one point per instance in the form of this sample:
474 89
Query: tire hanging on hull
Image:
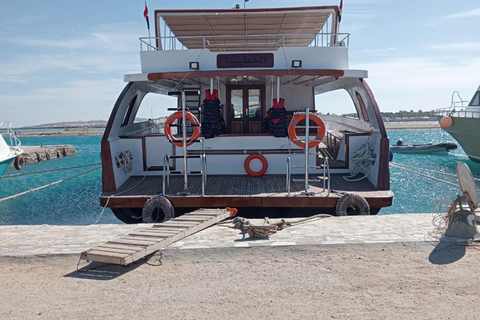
352 200
164 207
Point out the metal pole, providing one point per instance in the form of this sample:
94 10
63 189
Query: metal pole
307 131
278 90
211 85
184 132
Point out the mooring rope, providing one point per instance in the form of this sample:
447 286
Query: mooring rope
47 185
50 170
425 175
427 170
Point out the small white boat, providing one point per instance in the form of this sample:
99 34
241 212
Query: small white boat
438 148
9 152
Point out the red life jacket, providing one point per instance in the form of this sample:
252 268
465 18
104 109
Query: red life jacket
211 96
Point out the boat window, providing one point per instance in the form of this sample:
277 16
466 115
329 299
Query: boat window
475 100
128 113
155 106
237 103
362 106
336 102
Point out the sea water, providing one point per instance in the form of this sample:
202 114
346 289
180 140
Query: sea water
77 201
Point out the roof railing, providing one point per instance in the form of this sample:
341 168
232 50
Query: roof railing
460 113
256 42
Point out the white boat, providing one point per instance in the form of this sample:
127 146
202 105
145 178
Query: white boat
225 68
9 152
462 121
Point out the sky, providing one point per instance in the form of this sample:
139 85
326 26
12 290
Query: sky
65 60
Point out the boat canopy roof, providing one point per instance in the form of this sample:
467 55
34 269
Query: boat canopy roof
247 29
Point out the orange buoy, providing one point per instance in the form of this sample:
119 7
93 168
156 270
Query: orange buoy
446 122
168 128
256 173
292 134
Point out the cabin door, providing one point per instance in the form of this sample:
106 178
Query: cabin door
245 108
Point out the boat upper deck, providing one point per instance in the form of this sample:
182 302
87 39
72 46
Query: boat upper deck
264 39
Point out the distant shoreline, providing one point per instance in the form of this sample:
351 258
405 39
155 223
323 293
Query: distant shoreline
62 133
412 126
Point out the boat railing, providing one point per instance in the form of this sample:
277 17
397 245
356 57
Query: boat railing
459 113
255 42
14 141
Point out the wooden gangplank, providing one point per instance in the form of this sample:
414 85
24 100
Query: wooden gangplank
137 245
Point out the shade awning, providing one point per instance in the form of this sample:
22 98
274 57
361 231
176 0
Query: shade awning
246 29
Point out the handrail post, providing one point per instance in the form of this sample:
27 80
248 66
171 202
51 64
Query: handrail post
288 176
166 173
307 137
184 134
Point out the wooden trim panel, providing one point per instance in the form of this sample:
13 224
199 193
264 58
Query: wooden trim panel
155 77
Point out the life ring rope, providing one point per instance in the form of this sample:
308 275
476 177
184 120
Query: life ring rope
256 173
178 115
319 125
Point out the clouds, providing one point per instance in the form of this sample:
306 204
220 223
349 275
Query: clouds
465 14
70 101
458 46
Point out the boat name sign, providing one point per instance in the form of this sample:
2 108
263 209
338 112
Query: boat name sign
245 60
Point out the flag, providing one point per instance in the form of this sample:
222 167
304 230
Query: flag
340 11
145 14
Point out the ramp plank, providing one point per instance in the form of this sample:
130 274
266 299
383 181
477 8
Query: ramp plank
143 242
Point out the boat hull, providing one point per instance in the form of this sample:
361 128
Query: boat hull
465 132
442 148
4 164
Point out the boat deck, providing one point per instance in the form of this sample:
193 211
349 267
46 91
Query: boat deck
243 191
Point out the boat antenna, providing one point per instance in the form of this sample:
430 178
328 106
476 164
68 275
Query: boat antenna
244 3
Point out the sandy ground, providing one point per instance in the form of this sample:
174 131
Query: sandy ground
374 281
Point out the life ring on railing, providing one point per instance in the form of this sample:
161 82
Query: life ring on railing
256 173
164 207
353 201
178 115
19 162
292 134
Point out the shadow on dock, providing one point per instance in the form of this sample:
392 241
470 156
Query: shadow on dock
107 271
448 251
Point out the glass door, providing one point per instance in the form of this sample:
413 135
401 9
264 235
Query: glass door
246 109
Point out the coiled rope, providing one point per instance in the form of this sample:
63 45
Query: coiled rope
362 158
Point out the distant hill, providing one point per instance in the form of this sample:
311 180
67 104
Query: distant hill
71 124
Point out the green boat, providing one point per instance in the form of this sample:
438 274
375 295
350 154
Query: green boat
463 123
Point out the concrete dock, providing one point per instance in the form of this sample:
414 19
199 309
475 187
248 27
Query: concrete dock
33 154
398 228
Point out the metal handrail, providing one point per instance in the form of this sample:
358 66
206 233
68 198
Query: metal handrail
462 113
321 39
166 177
204 172
14 141
288 176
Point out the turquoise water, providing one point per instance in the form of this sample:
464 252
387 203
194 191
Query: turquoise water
71 202
76 201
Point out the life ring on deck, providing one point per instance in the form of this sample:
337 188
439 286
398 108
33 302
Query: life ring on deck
19 162
256 173
292 134
353 201
160 203
178 115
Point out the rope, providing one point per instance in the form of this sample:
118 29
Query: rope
47 185
124 160
426 176
21 234
186 74
362 158
427 170
290 79
50 170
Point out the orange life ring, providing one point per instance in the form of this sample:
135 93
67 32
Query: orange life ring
293 126
178 115
257 173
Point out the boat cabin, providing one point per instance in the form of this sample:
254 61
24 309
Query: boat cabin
237 86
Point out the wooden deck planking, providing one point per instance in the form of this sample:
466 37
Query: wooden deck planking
133 247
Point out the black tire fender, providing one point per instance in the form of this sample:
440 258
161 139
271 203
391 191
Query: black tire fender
158 202
19 162
352 200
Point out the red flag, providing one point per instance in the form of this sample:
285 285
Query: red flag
340 11
145 14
